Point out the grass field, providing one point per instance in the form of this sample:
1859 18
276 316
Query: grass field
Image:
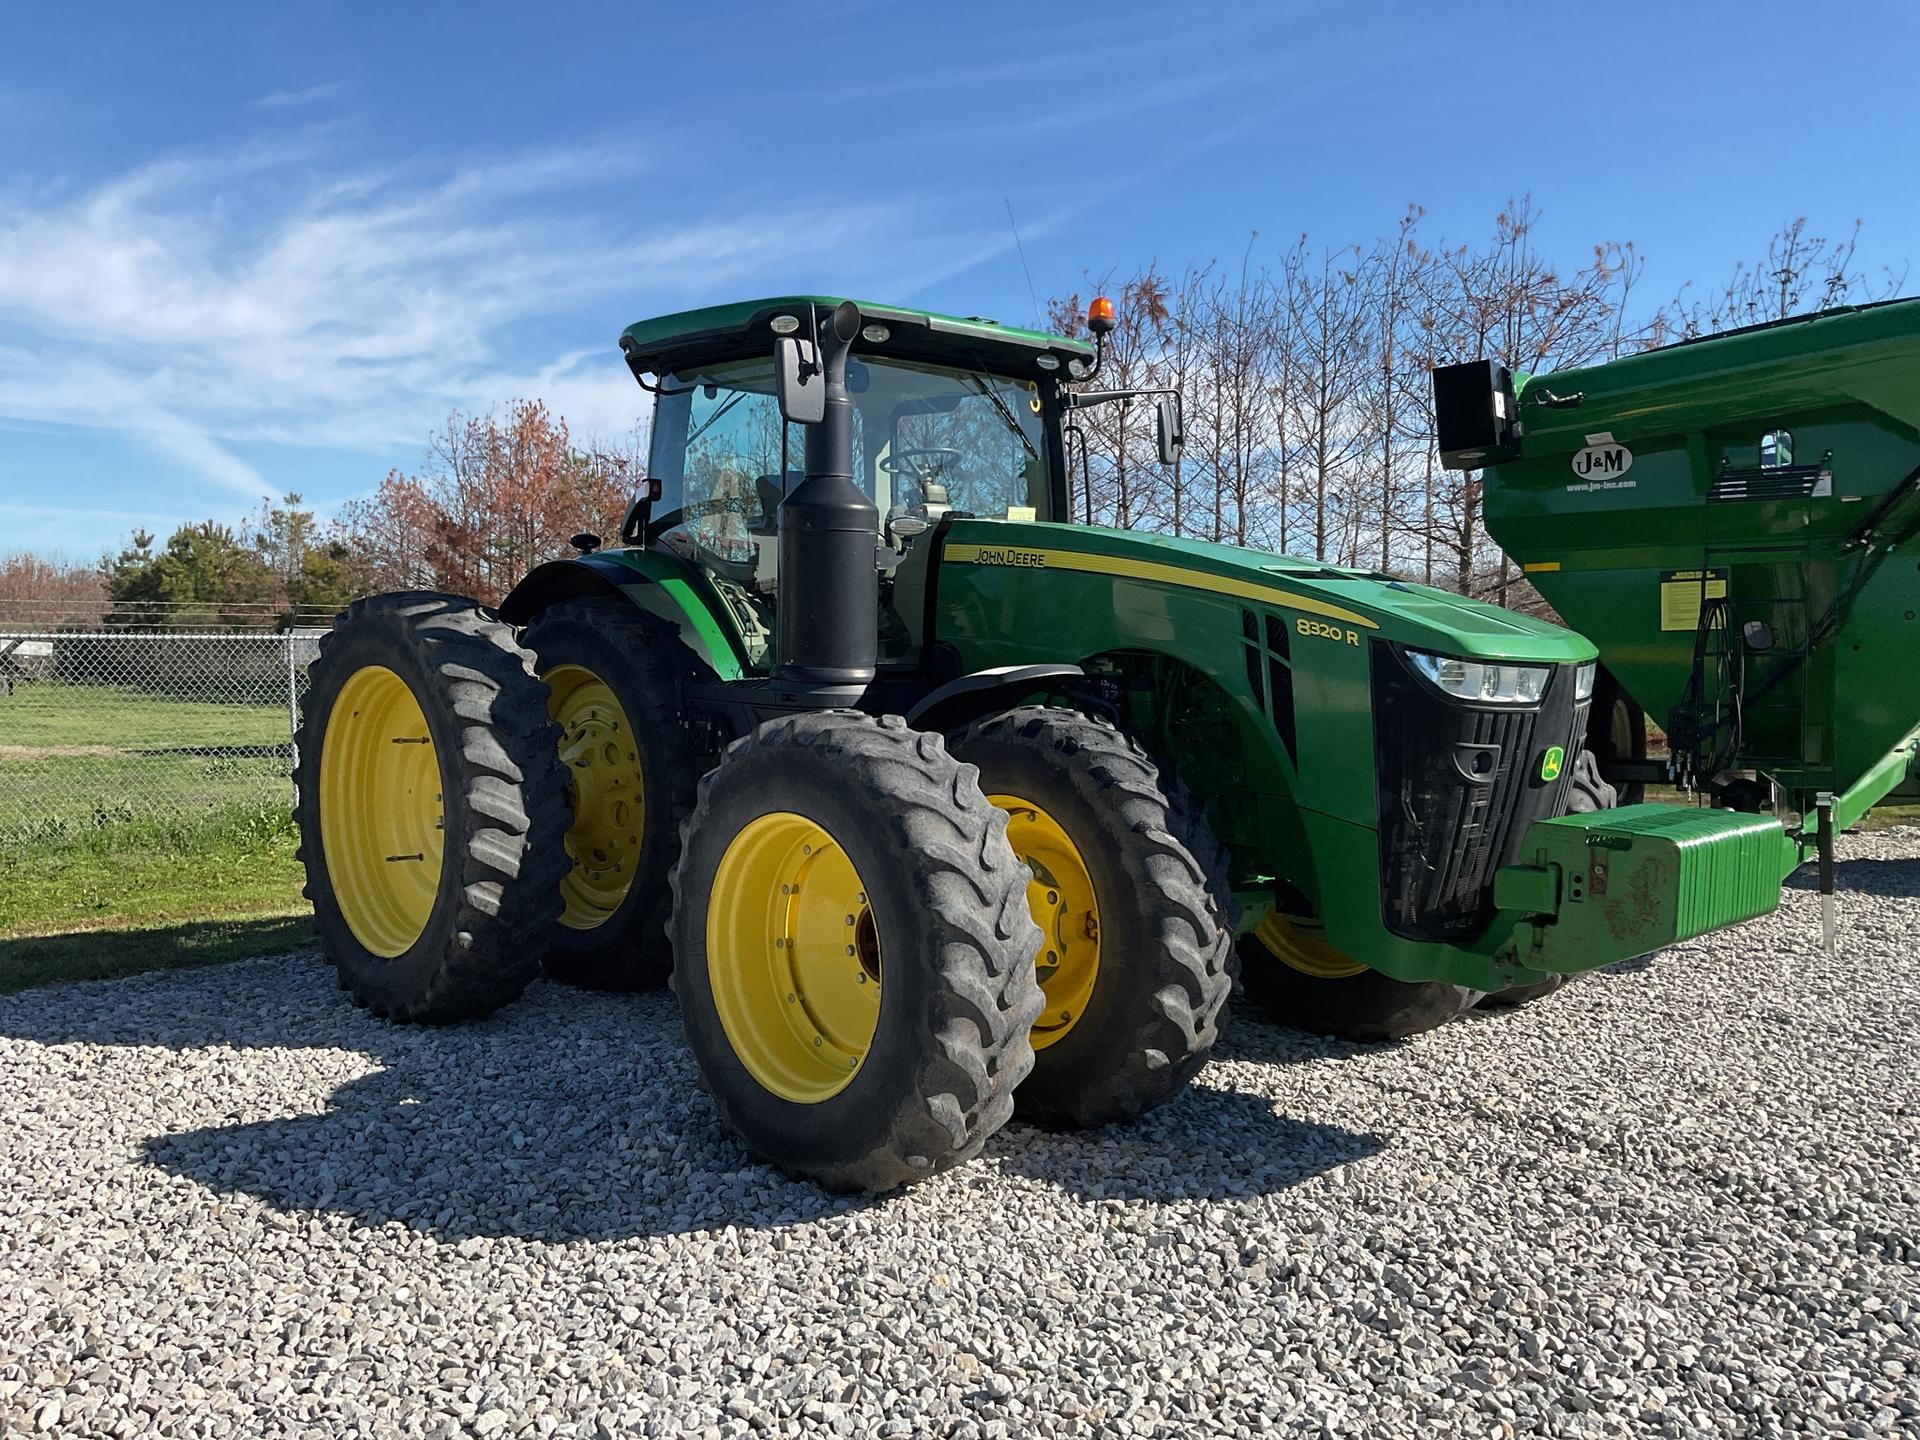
142 832
52 715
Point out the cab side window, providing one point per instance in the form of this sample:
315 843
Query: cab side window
717 453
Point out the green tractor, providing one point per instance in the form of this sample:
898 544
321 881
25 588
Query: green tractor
936 806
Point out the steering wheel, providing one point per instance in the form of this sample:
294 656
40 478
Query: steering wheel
907 462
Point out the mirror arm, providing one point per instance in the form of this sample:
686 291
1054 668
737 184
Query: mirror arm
1084 399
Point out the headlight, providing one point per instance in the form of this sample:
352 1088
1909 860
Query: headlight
1583 680
1481 683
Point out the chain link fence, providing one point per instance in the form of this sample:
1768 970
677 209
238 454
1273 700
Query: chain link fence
108 728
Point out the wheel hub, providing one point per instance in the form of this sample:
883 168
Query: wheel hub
382 820
1060 895
1304 950
608 792
794 957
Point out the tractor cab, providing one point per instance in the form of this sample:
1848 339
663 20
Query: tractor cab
949 418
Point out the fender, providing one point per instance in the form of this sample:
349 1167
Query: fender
962 701
658 584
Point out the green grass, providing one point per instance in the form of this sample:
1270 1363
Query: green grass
134 837
53 714
56 797
122 892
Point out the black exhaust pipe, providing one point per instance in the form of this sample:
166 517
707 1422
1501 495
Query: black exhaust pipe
829 586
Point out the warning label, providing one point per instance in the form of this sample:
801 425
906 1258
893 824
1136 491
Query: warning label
1683 591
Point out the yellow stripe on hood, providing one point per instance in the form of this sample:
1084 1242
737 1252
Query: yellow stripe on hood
1120 567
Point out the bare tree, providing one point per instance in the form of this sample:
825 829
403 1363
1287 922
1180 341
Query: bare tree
1801 272
1309 412
1326 328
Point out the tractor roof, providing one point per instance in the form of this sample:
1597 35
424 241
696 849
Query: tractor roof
720 332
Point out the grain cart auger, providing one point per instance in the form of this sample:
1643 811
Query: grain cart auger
1732 520
930 793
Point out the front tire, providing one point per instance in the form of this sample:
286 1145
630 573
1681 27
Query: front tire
1304 982
1130 888
430 805
854 956
614 680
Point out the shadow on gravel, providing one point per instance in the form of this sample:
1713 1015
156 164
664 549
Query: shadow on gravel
574 1116
1867 876
1212 1143
1208 1145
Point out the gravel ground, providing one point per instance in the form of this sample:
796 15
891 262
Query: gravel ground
1676 1200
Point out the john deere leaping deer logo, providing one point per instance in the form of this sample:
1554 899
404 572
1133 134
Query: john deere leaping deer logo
1551 763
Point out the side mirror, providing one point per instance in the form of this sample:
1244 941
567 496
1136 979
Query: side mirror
798 381
1169 429
1758 635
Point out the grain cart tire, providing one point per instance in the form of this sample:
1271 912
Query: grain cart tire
854 955
614 678
1304 982
1130 889
1587 795
1617 734
431 807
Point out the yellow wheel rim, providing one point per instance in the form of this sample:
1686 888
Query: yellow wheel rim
1060 894
598 748
793 957
1302 949
382 826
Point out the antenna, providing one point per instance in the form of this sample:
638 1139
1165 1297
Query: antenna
1038 323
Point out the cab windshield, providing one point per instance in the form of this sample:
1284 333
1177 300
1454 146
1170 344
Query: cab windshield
927 439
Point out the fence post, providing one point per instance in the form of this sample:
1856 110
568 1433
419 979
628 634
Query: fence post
293 720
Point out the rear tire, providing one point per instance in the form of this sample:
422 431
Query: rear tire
1138 952
631 765
1304 982
854 953
431 807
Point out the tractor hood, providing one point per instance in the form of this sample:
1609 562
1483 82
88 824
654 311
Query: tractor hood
1398 610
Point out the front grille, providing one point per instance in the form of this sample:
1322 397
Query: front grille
1458 786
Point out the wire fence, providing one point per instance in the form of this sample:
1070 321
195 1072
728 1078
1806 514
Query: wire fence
103 728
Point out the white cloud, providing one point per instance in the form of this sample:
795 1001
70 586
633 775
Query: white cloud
292 99
206 300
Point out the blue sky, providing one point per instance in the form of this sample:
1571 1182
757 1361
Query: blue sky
246 249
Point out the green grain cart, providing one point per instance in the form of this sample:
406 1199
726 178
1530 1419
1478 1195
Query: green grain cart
934 803
1732 521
